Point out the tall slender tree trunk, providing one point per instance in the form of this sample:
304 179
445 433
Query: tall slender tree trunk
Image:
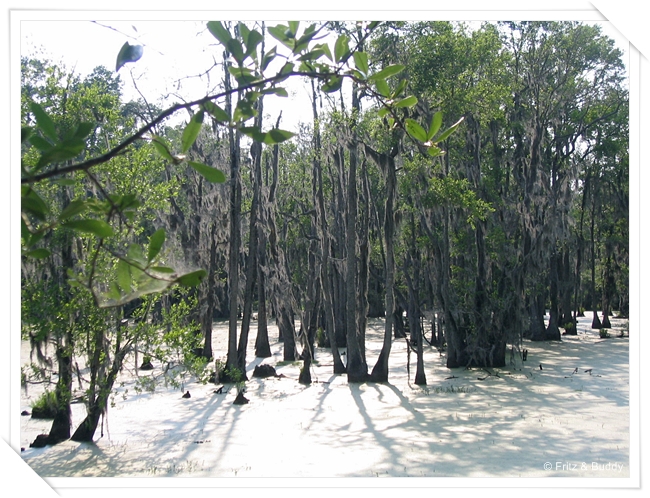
210 297
357 369
281 284
60 429
386 163
595 323
252 264
326 280
552 330
262 346
235 234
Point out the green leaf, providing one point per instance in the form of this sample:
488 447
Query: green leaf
281 33
62 152
361 61
32 203
383 111
407 102
293 28
268 57
387 72
400 88
435 151
333 84
243 30
25 234
134 253
37 254
276 136
35 239
156 242
192 279
448 131
279 91
128 53
162 269
72 209
212 175
216 112
382 87
436 122
44 122
162 147
191 131
95 227
326 49
244 111
235 48
303 42
124 276
25 133
113 293
286 69
83 130
219 32
312 55
243 75
341 47
254 132
40 143
254 39
415 130
152 286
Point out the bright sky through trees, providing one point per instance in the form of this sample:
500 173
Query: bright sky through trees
177 58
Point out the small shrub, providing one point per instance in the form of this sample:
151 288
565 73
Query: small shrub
604 333
231 374
45 406
322 341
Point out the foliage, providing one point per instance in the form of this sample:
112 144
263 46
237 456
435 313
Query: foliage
45 405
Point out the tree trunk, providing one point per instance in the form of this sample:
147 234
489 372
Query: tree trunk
595 323
357 369
552 330
326 272
101 385
281 283
386 164
210 296
235 234
60 429
262 346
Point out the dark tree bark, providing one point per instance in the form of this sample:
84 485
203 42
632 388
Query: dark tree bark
235 235
386 164
357 369
210 297
412 267
101 383
322 231
60 429
595 323
552 330
262 346
281 284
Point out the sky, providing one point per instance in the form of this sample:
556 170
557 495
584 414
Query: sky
175 54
